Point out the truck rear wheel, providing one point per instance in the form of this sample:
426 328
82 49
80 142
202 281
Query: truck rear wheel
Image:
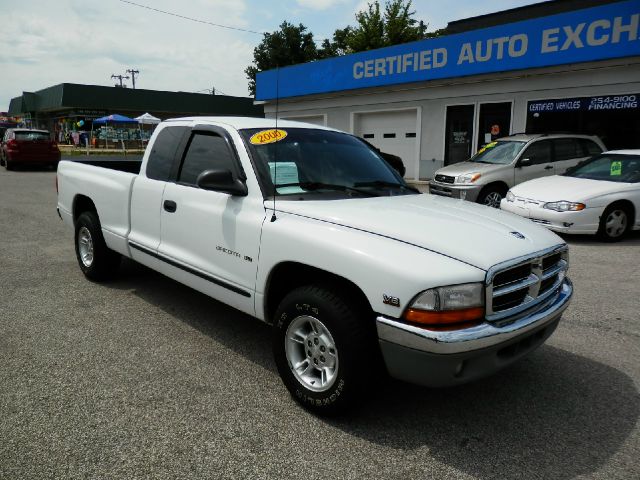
96 260
324 353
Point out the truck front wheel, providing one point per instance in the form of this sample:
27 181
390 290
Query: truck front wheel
324 353
96 260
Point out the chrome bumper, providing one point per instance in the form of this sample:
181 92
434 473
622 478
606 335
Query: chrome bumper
440 359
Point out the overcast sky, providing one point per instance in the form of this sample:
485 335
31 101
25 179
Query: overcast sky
44 43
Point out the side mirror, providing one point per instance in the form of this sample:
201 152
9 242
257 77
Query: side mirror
222 181
525 162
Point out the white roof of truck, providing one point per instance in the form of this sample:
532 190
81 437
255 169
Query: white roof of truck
249 122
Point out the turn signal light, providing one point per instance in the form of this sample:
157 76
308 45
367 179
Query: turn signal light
429 319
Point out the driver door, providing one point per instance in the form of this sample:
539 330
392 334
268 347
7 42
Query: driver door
211 239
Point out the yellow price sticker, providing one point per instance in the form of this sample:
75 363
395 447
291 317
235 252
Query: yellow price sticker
267 136
616 168
491 145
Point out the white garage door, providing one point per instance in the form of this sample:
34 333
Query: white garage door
315 119
393 131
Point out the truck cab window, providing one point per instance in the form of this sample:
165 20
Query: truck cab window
163 153
205 152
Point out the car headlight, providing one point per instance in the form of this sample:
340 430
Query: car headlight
564 206
467 178
510 196
447 306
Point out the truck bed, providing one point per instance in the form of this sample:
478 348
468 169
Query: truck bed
125 164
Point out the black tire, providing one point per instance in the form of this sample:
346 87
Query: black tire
9 165
1 160
96 260
355 359
491 196
614 223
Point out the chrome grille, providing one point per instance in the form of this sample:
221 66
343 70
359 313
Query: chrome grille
445 179
522 284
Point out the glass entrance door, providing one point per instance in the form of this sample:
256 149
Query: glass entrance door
459 133
494 122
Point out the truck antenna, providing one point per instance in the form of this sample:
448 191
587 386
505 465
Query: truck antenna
275 150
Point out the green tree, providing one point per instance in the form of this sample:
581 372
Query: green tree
338 46
376 29
288 46
399 24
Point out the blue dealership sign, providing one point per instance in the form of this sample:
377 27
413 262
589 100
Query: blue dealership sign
598 33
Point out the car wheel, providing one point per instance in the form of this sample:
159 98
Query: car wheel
9 164
96 260
491 196
1 161
614 223
324 353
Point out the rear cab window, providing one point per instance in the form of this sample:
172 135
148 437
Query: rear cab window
163 154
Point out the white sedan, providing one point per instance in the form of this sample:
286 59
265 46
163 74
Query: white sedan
599 196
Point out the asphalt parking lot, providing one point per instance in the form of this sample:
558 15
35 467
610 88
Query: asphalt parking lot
144 378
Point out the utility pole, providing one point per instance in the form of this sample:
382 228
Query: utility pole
120 77
133 76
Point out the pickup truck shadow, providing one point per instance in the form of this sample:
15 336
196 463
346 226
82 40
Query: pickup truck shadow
552 415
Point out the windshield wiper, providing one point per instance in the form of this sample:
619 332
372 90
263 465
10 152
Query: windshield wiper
382 183
327 186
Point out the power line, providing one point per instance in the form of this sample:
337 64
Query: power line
190 18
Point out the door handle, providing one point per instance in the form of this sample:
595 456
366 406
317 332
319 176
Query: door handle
548 167
170 206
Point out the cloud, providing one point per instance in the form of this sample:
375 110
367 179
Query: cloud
319 4
84 43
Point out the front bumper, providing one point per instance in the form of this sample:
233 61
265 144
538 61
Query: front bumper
584 221
464 192
439 359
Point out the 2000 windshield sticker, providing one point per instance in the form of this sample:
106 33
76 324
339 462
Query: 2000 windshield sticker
267 136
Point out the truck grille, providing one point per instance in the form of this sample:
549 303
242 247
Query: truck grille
523 284
445 179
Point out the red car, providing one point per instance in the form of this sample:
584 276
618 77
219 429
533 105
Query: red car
24 146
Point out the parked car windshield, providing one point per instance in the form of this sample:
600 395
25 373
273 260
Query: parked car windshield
307 161
500 152
31 136
609 167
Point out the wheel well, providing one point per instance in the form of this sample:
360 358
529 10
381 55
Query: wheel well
290 275
501 186
82 204
628 206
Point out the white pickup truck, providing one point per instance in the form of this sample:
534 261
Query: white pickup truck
308 229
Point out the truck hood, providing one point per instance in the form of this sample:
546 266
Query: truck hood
472 233
556 188
467 167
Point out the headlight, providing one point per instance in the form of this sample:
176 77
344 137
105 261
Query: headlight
467 178
510 196
564 206
443 306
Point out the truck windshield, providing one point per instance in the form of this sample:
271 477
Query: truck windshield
502 152
307 161
608 167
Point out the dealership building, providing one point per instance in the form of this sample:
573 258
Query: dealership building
555 66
